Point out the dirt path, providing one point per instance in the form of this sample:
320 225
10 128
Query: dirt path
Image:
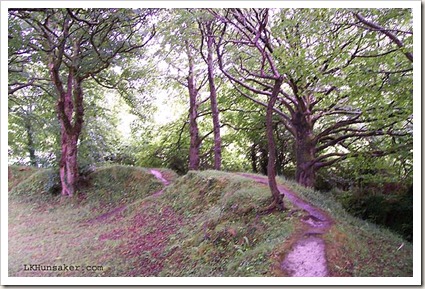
307 257
159 176
143 238
120 209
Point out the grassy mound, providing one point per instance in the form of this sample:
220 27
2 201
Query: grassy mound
17 174
106 187
356 247
33 187
49 229
223 233
115 185
203 224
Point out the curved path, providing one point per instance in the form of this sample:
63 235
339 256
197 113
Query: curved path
119 209
159 176
307 257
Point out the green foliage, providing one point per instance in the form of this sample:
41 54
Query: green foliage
101 138
32 128
392 211
53 184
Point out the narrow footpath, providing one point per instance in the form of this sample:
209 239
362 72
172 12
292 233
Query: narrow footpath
307 258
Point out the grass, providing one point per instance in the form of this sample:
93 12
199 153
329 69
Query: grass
203 224
16 174
46 229
223 234
358 248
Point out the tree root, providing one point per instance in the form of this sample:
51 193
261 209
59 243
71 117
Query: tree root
276 205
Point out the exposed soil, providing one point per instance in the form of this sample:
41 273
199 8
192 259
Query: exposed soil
159 176
307 258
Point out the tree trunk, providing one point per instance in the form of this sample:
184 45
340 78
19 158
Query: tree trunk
264 155
305 151
213 99
68 166
70 111
271 166
30 142
193 115
279 161
253 155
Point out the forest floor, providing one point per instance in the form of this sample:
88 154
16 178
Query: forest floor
149 222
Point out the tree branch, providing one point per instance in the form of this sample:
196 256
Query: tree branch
387 32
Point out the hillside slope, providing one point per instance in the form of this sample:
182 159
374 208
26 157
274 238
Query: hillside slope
202 224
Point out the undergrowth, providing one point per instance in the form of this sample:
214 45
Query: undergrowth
16 174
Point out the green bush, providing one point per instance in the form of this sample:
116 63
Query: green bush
394 212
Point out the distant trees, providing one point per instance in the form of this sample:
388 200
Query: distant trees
207 29
188 45
32 128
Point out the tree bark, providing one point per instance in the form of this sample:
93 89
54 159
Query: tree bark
305 151
253 155
30 141
69 139
194 158
213 98
70 111
271 166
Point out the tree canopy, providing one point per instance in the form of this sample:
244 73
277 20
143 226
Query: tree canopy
312 94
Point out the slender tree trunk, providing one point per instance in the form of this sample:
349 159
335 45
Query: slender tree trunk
195 142
254 158
305 152
279 161
30 142
271 166
213 99
264 155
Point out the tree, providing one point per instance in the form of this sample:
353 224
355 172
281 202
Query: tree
75 45
32 128
335 91
184 38
275 78
206 27
390 33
